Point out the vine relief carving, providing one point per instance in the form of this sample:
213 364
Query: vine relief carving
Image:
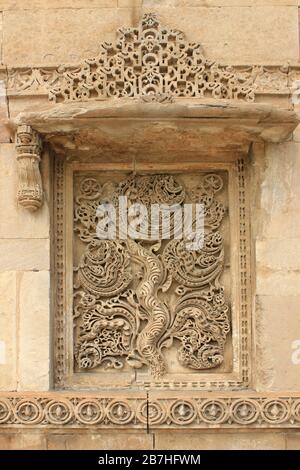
150 60
136 299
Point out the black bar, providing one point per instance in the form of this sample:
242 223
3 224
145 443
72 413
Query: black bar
148 458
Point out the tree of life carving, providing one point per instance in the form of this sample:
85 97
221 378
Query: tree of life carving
133 299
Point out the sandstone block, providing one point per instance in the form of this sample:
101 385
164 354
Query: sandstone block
221 441
238 34
278 255
8 332
276 332
277 192
293 441
56 37
34 330
118 440
24 254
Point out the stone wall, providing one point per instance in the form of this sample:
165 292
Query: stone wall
162 440
51 32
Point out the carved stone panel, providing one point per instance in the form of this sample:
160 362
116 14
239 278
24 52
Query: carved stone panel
149 309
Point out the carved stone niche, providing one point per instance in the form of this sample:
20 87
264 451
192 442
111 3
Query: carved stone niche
154 313
130 313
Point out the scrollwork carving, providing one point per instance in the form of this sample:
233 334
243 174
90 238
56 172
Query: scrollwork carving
135 298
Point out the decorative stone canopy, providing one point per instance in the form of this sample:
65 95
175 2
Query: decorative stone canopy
150 92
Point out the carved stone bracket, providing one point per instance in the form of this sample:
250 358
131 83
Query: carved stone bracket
28 147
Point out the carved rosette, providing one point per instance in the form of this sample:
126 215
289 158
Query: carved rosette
28 147
202 412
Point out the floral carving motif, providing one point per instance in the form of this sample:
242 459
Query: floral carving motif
134 298
103 269
150 60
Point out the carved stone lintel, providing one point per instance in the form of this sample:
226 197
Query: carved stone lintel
28 147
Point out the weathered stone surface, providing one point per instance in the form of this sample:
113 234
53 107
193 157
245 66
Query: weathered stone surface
19 440
217 3
17 222
204 3
221 441
48 4
131 131
34 330
24 254
276 192
130 3
107 440
222 40
277 328
8 331
118 440
293 441
269 254
10 440
178 440
33 441
57 441
279 282
55 38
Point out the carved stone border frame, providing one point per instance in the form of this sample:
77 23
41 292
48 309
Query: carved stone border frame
147 412
240 377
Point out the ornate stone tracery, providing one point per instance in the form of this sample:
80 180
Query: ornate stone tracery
150 60
124 316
